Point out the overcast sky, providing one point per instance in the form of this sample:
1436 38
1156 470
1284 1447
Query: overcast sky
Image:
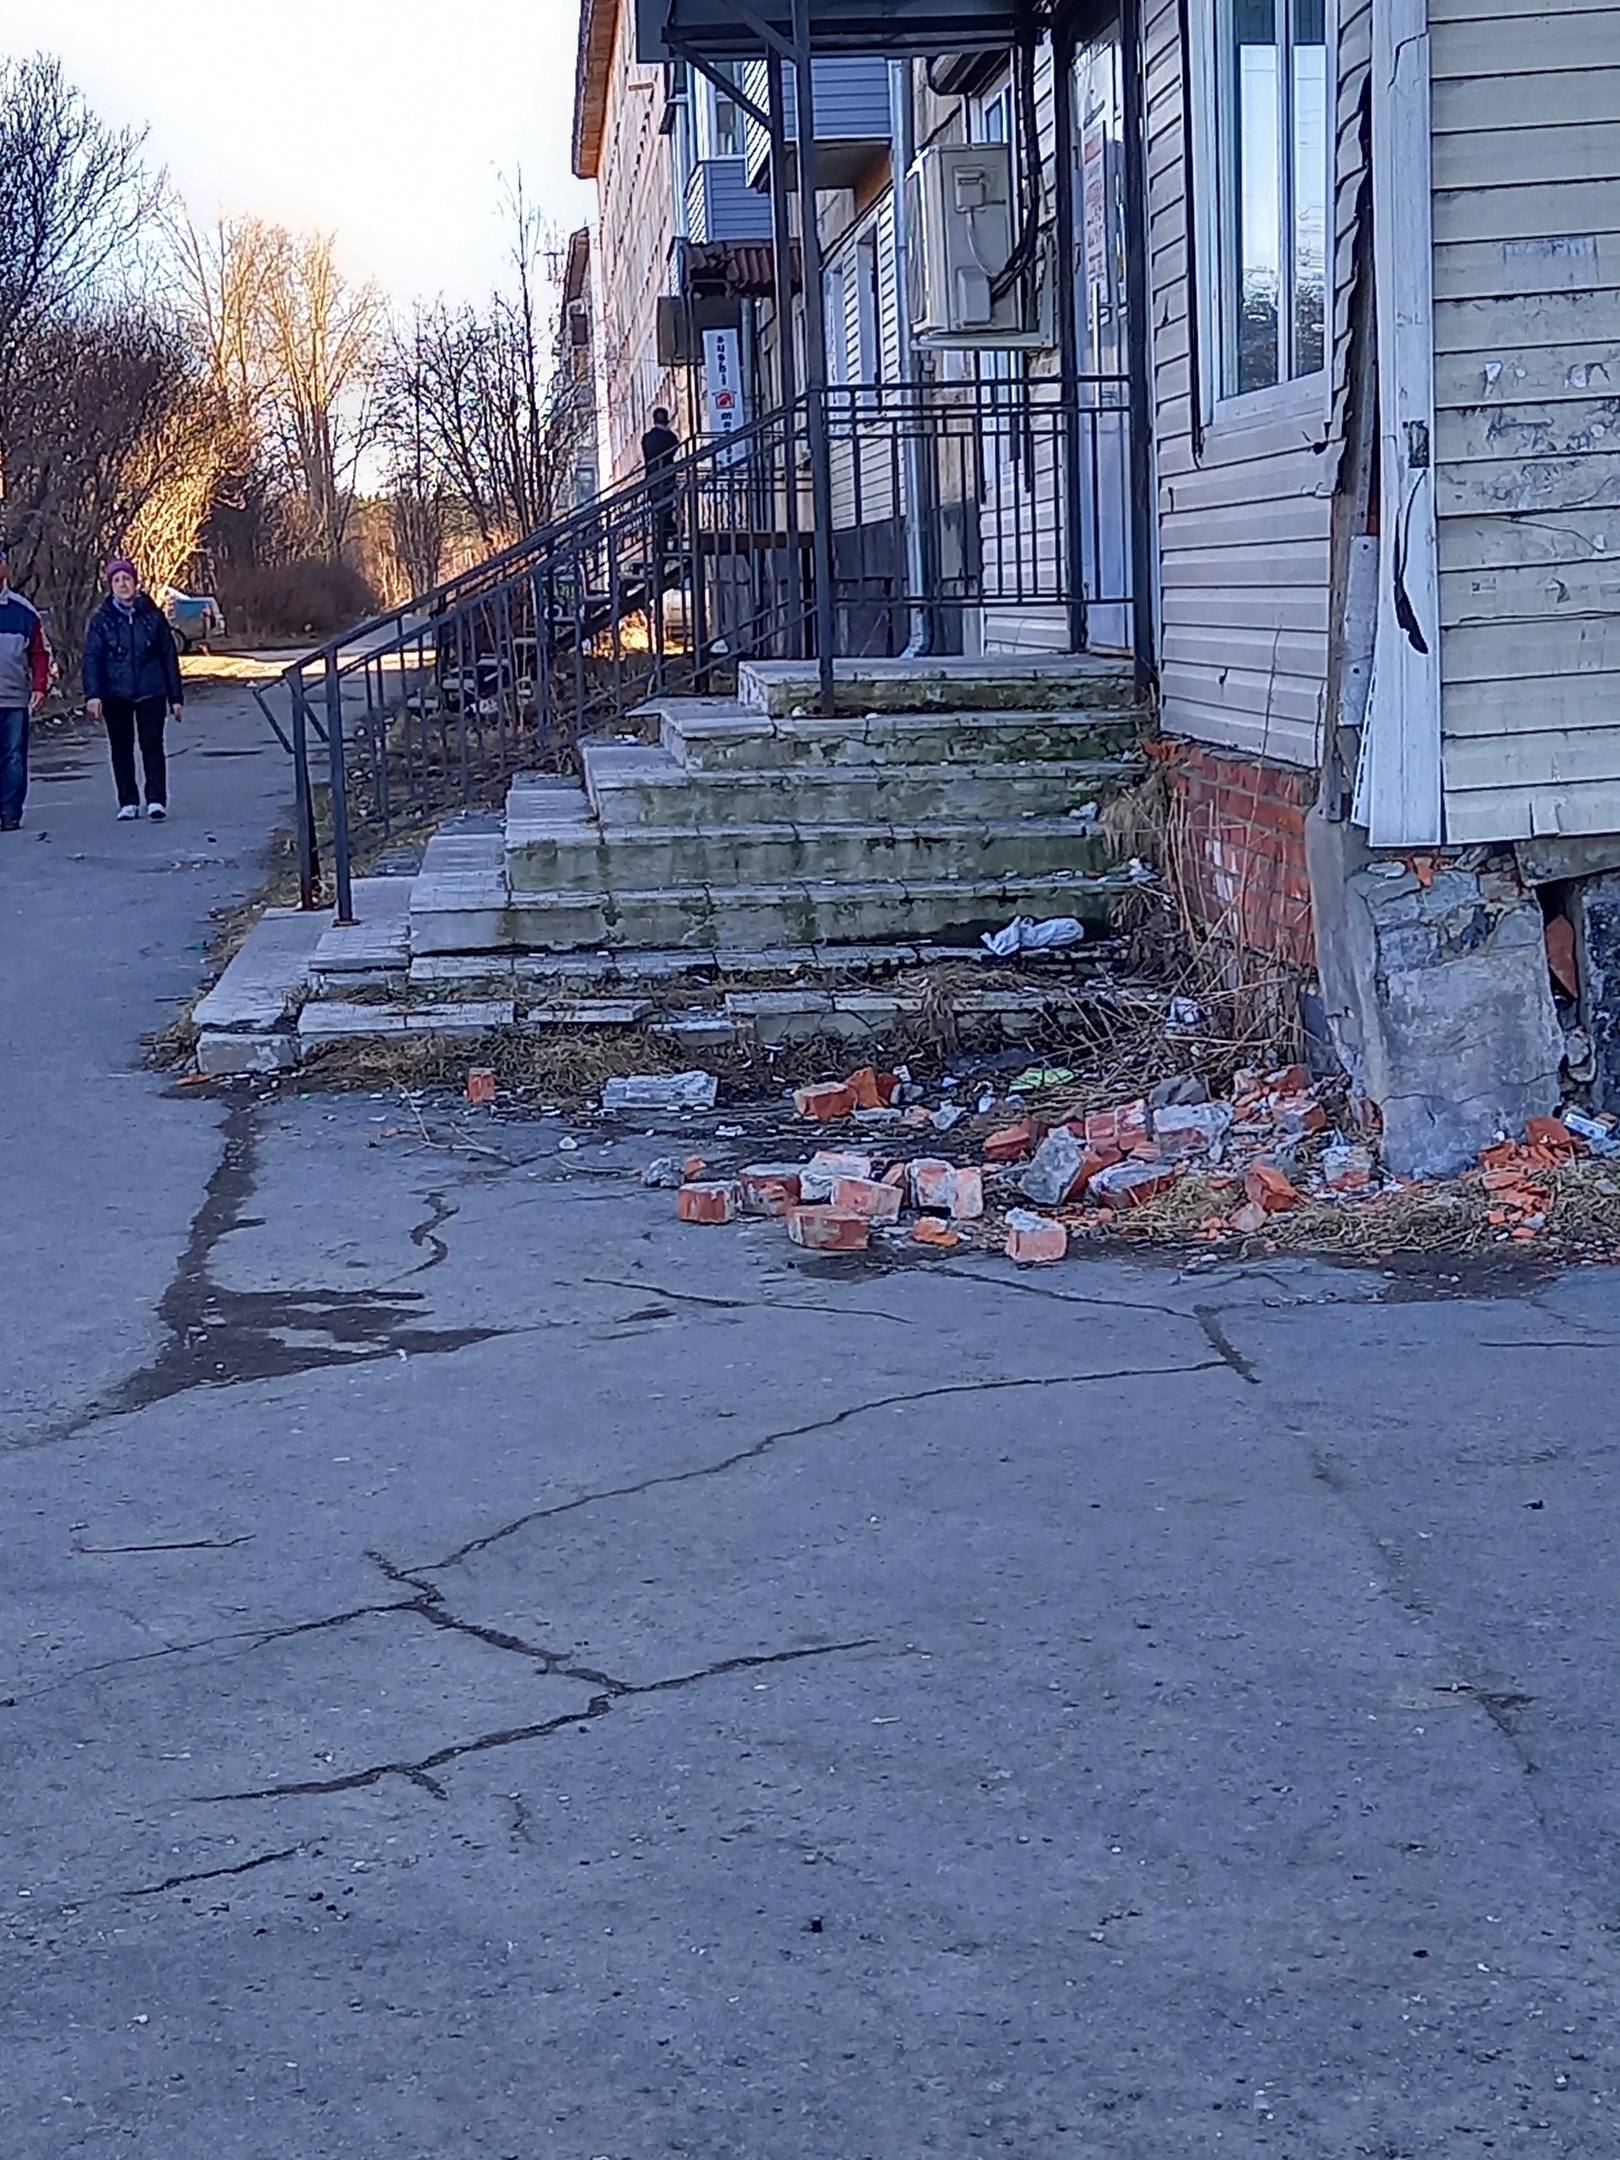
388 122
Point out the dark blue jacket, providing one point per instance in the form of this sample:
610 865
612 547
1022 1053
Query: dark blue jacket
131 656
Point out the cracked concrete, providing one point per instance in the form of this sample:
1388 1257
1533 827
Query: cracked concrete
1112 1712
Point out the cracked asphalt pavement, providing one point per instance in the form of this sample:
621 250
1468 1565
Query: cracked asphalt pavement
486 1671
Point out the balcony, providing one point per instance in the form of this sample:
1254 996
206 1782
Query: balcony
720 204
852 121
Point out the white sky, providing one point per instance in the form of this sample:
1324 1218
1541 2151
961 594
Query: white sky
388 122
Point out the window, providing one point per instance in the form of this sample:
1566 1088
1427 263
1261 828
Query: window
1272 134
725 120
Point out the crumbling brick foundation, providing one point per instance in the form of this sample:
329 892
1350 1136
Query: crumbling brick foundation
1239 832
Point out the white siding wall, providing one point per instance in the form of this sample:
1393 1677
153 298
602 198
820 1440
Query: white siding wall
1527 414
1243 530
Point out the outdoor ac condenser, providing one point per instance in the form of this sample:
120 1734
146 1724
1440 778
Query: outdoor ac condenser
961 229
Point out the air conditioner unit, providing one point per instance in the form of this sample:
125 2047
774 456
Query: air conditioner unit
961 230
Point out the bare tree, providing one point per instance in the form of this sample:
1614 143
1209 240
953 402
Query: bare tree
472 397
73 195
103 395
321 348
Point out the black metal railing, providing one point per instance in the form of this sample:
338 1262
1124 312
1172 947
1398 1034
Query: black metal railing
993 510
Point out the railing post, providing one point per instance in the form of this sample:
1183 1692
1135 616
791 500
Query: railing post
340 790
1139 364
815 342
303 807
1065 287
787 372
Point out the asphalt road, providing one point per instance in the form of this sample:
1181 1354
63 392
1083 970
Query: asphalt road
486 1672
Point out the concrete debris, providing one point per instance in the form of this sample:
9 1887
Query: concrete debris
1180 1129
1051 1178
661 1091
663 1172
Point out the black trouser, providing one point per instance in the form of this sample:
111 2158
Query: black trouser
125 718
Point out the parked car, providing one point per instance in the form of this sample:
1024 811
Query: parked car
193 617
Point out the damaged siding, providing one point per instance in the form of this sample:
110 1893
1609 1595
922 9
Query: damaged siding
1527 415
1245 524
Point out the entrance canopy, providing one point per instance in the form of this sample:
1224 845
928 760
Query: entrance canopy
718 30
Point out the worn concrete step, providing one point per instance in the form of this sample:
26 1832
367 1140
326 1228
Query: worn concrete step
472 910
710 735
643 858
634 785
995 681
340 1021
265 976
375 947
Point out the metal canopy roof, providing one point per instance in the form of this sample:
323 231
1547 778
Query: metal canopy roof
714 30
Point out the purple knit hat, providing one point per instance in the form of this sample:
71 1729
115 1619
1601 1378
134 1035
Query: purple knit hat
119 562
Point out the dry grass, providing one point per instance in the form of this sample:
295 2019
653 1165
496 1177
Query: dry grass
1583 1214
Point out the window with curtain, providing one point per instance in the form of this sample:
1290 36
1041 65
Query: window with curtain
1272 132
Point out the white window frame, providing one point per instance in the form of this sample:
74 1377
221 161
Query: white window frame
1302 399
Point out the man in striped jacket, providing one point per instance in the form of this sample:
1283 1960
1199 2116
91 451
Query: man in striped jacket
25 676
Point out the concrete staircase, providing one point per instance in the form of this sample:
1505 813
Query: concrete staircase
943 796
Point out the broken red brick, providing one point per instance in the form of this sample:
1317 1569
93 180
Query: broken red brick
931 1183
1269 1188
863 1085
1288 1080
895 1175
939 1236
1011 1143
1132 1184
1033 1238
867 1196
770 1188
826 1165
714 1202
1550 1132
832 1099
693 1168
827 1229
967 1193
481 1084
1251 1216
1561 954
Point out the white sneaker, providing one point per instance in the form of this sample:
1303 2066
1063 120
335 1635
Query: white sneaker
157 810
128 810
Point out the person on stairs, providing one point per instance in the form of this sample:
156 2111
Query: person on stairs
132 681
25 676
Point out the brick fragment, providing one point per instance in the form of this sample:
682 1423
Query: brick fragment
1269 1188
481 1084
1034 1238
831 1099
931 1183
715 1201
872 1090
936 1235
1251 1216
770 1188
826 1166
867 1196
967 1193
827 1229
1131 1184
1011 1143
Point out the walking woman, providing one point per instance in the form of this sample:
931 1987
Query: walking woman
132 681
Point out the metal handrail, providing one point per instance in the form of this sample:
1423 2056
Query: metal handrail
664 582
